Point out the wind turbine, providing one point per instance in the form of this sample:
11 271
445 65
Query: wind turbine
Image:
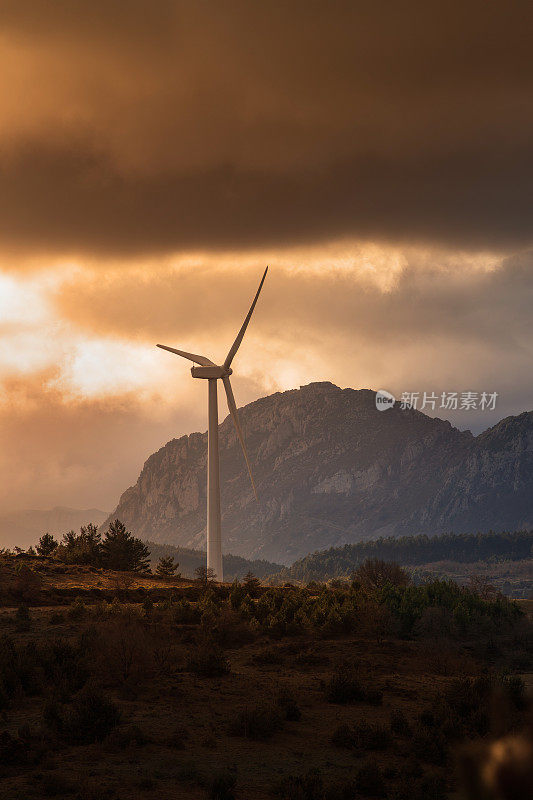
212 373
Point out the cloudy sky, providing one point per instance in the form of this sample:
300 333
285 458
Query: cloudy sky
154 157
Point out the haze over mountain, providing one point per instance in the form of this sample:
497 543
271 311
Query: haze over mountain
330 470
23 528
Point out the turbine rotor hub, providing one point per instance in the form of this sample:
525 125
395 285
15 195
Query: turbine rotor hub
211 372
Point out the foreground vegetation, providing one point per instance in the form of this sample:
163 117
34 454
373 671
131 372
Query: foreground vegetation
369 689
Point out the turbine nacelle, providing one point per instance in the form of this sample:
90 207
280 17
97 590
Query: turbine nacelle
211 372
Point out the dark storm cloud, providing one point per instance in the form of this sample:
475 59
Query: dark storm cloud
147 127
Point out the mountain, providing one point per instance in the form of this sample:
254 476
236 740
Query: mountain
25 527
332 470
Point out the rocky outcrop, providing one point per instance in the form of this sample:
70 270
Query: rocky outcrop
331 469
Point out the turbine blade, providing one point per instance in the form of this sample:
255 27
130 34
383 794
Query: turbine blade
238 340
202 360
233 411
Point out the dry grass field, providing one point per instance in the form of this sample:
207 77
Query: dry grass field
219 692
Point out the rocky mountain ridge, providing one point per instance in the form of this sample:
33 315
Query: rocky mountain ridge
331 470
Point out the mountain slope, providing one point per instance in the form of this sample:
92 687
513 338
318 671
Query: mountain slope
330 470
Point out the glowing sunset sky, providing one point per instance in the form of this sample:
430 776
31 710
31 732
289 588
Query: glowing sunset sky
154 157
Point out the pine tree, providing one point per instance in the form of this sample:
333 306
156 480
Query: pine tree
166 567
47 545
91 544
122 551
204 575
251 584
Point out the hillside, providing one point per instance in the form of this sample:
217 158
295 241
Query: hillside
505 560
332 470
412 551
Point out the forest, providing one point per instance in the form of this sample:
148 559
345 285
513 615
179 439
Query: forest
338 562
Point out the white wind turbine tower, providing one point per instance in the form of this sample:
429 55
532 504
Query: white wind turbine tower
212 373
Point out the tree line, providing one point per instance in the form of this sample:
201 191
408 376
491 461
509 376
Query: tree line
115 549
411 551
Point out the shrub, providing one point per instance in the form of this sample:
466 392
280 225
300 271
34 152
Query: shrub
64 665
13 750
57 618
515 689
375 573
300 787
125 651
178 737
20 670
251 584
185 613
222 786
22 615
419 786
208 661
53 784
372 736
236 595
77 610
289 706
310 658
147 606
268 656
430 745
89 718
369 780
127 737
399 724
260 722
204 575
362 736
343 736
344 687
